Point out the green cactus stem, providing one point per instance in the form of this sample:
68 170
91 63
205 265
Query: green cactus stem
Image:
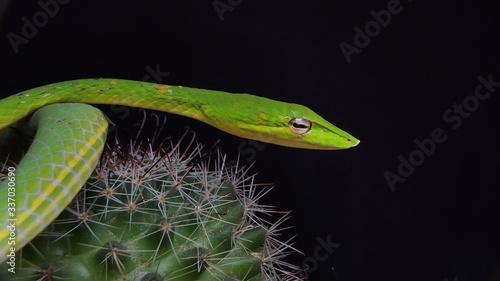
159 215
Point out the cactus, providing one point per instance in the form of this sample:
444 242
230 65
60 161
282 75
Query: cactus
162 214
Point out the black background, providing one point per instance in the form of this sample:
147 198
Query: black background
440 223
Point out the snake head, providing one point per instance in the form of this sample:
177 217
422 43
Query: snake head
285 124
309 130
303 128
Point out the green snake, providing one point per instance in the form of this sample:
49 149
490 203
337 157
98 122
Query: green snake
70 136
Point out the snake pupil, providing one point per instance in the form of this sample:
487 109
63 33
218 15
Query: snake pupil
300 126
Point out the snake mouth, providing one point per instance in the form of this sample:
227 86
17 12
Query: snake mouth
354 143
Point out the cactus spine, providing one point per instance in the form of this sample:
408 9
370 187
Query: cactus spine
162 214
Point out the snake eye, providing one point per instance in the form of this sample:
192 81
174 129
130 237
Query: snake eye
299 126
